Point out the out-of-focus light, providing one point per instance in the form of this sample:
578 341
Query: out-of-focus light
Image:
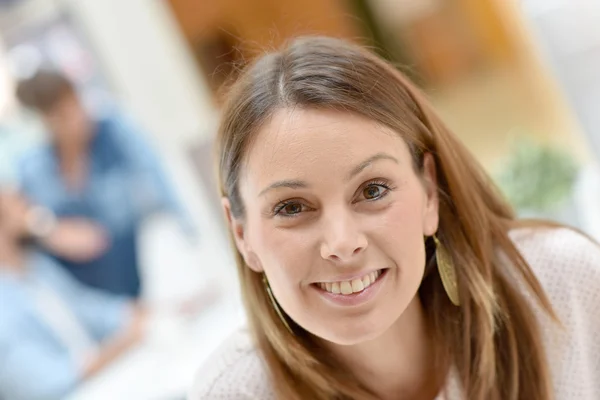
23 61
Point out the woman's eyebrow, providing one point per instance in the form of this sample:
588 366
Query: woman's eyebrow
298 184
369 161
288 183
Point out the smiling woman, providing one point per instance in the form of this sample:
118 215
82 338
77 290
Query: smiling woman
376 259
337 227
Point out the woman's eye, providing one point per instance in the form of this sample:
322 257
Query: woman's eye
293 208
289 209
374 191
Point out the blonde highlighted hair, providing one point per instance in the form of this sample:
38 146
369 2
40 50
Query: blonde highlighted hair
492 340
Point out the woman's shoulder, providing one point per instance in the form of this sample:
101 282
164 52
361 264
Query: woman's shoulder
235 371
562 259
567 265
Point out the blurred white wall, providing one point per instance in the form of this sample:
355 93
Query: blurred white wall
567 32
150 69
6 84
149 66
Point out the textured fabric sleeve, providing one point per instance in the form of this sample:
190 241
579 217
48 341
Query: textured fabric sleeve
567 265
234 372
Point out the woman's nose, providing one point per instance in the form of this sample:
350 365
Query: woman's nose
342 238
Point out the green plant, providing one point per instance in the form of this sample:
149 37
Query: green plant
537 177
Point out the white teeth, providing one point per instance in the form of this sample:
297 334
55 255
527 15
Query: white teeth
346 287
349 287
357 285
366 281
335 288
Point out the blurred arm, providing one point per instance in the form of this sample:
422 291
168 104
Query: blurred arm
113 347
115 322
75 239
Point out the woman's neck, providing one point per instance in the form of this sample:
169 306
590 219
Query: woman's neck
399 364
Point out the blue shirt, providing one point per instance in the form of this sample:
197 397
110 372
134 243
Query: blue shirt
34 363
125 184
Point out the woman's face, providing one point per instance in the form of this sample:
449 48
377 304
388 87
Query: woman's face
336 218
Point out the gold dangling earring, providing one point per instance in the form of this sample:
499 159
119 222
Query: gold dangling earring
274 303
447 272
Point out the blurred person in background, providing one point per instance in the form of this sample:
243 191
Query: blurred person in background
376 258
91 187
54 331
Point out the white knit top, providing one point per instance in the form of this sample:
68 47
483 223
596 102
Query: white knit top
568 267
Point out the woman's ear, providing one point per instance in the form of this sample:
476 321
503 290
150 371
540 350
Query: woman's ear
239 236
431 209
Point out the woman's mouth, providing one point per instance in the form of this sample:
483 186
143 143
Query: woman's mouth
353 286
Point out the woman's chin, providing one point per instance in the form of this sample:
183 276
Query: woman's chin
351 336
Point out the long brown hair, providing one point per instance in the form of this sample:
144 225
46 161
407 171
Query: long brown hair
492 339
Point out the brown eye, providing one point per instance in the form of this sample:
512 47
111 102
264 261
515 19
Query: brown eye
292 208
372 192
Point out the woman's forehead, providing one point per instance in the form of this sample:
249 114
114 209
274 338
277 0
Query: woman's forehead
304 143
298 131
